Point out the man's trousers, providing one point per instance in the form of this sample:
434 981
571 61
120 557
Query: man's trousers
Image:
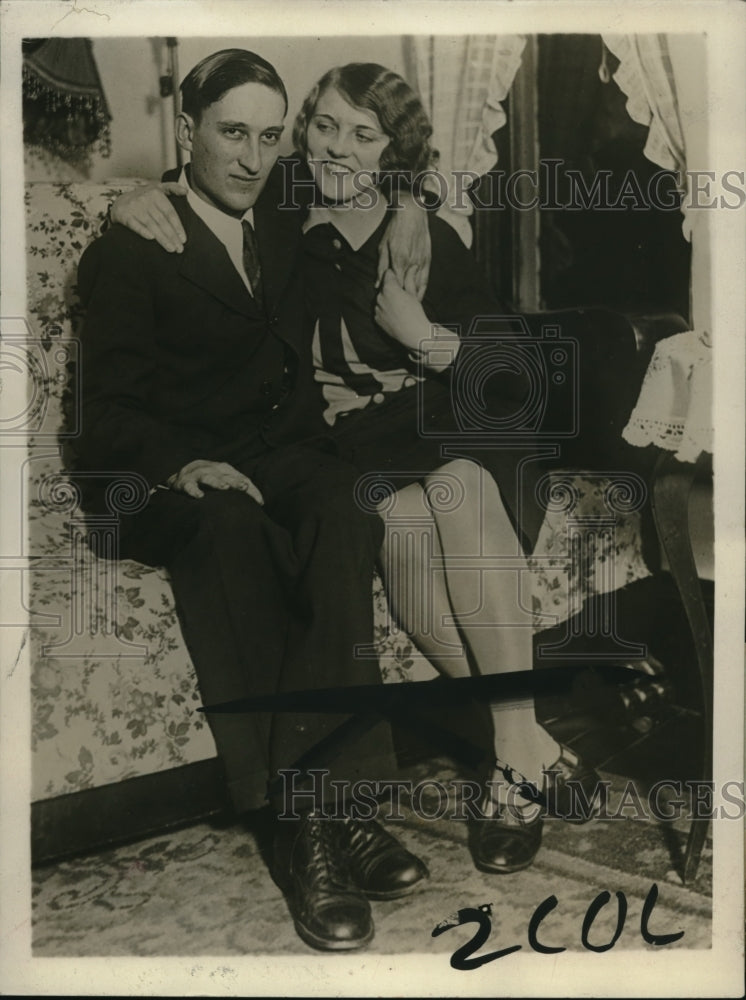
272 599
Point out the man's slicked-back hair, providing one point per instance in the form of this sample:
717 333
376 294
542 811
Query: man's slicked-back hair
215 75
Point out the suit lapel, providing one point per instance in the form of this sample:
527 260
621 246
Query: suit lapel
205 262
278 238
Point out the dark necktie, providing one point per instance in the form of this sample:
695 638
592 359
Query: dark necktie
251 261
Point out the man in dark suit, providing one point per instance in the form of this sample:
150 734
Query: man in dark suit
189 365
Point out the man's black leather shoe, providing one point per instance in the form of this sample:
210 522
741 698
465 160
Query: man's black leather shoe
507 840
310 865
573 790
381 866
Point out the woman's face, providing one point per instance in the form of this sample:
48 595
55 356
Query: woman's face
344 147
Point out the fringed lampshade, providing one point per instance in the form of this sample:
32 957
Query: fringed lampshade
64 107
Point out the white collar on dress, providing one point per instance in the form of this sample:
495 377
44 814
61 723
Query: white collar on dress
356 223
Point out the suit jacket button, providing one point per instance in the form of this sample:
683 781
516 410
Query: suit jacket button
266 387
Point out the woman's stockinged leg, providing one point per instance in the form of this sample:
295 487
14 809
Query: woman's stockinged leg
411 567
476 534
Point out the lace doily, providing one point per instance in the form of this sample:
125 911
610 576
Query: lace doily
674 410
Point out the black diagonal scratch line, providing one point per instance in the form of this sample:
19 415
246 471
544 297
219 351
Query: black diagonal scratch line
402 703
384 698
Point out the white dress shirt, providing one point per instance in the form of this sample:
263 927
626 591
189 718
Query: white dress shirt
225 227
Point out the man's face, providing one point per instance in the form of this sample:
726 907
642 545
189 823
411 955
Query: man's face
234 146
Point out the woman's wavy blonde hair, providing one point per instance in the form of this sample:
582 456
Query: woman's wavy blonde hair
374 88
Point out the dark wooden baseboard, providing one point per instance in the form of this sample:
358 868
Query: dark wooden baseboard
101 817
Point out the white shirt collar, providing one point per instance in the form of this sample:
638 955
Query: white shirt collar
226 228
219 222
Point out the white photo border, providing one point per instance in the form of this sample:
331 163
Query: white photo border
717 972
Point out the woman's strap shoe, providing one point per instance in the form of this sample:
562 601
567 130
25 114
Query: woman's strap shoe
507 840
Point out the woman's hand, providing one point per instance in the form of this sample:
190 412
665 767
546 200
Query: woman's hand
216 475
406 245
399 311
148 212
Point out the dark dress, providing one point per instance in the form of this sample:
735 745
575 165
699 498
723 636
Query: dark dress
392 418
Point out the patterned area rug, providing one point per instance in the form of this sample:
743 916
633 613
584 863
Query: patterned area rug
206 890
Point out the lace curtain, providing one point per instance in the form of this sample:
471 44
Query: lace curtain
663 77
462 81
664 80
645 76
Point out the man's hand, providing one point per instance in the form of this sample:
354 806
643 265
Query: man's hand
147 211
406 246
217 475
399 311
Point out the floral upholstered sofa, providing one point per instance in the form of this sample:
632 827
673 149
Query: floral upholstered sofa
113 690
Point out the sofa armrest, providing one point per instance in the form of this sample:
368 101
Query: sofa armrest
649 330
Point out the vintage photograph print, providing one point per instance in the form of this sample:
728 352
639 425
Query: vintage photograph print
372 474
